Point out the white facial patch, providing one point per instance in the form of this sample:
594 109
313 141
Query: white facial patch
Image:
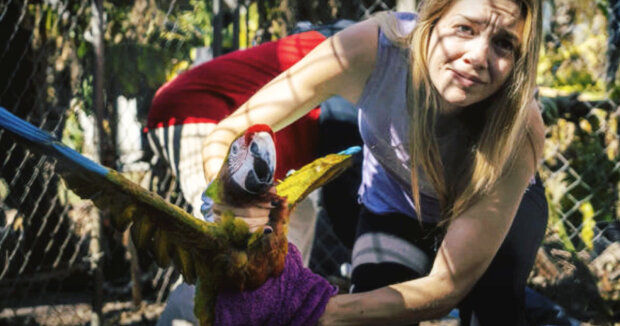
240 175
242 157
268 148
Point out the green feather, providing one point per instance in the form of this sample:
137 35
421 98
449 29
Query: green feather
213 191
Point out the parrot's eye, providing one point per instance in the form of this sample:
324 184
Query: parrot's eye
254 149
234 149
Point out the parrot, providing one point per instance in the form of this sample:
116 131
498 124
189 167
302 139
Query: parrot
249 169
215 256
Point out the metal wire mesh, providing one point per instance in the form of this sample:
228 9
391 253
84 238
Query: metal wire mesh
47 74
43 240
47 274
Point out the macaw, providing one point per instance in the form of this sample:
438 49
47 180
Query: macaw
248 169
213 255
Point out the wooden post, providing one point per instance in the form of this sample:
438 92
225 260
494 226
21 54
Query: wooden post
217 28
406 5
236 28
248 42
136 273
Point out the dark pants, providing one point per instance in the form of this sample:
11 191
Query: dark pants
498 298
339 131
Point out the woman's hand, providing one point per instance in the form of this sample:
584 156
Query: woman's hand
256 215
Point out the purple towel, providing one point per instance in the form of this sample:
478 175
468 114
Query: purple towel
296 298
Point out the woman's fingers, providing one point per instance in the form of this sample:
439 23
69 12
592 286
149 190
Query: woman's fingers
244 212
255 216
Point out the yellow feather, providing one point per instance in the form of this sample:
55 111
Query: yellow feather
183 260
142 230
310 177
162 247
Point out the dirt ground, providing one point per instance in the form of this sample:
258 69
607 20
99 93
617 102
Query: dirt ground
115 313
586 284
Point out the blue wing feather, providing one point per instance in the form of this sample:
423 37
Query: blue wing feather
351 150
46 144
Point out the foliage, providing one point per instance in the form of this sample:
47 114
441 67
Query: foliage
145 44
72 134
581 152
587 229
248 25
571 59
583 156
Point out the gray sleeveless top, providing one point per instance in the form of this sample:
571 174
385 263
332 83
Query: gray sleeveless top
384 127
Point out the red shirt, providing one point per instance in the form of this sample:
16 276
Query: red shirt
211 91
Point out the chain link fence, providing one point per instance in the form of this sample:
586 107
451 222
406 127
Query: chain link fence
73 67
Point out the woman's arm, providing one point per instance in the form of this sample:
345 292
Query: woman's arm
338 66
470 243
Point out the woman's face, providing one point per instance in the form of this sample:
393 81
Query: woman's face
472 50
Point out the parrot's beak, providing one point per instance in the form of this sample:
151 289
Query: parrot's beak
263 150
262 170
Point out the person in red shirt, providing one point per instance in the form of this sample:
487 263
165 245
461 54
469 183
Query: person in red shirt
187 108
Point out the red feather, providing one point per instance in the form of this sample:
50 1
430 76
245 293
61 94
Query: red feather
258 128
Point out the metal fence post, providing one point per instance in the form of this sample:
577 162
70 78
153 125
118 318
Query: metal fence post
95 242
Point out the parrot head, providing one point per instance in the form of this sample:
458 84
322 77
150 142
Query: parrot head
251 159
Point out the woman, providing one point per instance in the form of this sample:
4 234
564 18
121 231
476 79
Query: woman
454 98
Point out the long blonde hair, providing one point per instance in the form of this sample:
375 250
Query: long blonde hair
505 112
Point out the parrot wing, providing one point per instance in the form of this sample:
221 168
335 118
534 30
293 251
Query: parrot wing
171 234
205 253
157 225
296 186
